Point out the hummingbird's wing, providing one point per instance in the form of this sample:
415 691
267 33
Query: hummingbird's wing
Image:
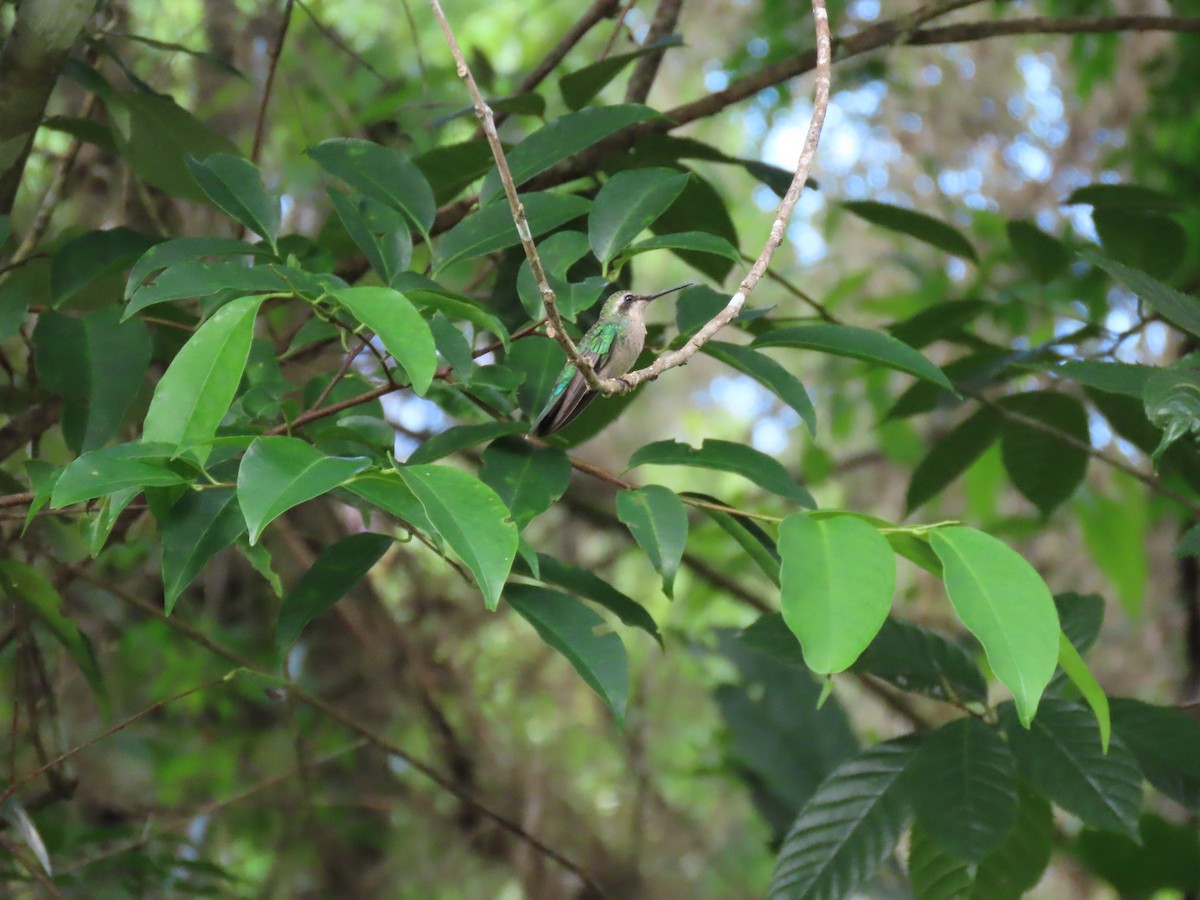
571 394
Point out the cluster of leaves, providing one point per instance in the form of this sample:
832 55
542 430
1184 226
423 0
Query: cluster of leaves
232 439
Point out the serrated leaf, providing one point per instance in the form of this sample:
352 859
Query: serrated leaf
1017 865
235 185
626 206
657 520
1004 602
963 784
561 138
847 829
199 525
589 586
925 228
339 567
195 392
932 874
380 173
1061 754
575 631
856 343
278 473
1163 739
836 582
1181 309
952 455
769 374
1044 468
474 522
113 469
403 331
491 228
725 456
1045 256
528 479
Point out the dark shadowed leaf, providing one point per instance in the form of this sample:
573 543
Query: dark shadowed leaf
589 586
199 525
1044 256
462 437
1181 309
1164 861
916 659
952 455
726 456
658 522
581 86
381 173
769 374
492 228
925 228
528 479
1164 741
235 185
1046 469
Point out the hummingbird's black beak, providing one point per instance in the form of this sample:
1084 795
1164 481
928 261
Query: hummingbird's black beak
646 298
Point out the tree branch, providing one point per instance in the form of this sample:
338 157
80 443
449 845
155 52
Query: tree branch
646 68
276 52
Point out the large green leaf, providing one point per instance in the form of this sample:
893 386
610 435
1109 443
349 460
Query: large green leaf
932 874
278 473
1017 865
590 586
1123 196
1081 676
492 228
748 534
770 374
581 86
389 492
916 659
1164 860
626 206
1004 602
1111 377
1164 741
963 784
561 138
692 244
701 207
449 168
92 256
848 828
726 456
923 227
339 567
114 469
856 343
27 586
195 392
1061 754
199 525
657 520
77 359
1045 256
1044 468
381 173
405 334
380 232
472 519
1181 309
577 633
235 185
462 437
951 455
168 253
1150 242
559 252
837 578
528 479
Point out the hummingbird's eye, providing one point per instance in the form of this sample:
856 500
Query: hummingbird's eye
628 298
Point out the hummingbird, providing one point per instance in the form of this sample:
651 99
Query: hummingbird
612 346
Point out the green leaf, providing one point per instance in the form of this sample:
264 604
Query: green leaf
1004 602
451 167
235 185
658 522
1181 309
1153 243
1044 256
168 253
769 374
1114 532
278 473
42 479
472 519
199 525
405 334
1172 403
27 586
576 632
387 491
626 206
75 359
92 256
952 455
581 86
155 137
1123 196
462 437
380 173
1061 754
932 874
837 579
379 231
1081 676
491 228
847 829
113 469
916 659
963 784
701 207
1111 377
559 252
1017 864
1044 468
725 456
1163 739
562 138
691 242
528 479
190 279
333 573
458 307
1164 861
1082 616
195 392
589 586
756 542
856 343
941 320
925 228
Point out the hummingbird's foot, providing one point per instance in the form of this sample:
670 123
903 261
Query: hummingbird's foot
629 385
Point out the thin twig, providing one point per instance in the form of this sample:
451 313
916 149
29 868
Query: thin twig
616 29
273 64
34 868
645 70
334 38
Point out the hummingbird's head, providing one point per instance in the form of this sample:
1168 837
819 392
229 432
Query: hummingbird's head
628 305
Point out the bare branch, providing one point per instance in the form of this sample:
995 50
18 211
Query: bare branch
276 51
646 68
487 118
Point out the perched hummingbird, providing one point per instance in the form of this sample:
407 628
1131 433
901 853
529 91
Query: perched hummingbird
612 346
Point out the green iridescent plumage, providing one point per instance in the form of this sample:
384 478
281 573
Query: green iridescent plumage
612 346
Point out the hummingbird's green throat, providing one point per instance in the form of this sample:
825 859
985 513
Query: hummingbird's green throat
612 346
